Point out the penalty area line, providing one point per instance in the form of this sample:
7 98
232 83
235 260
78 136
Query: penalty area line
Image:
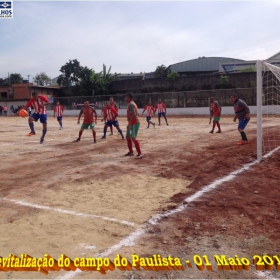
69 212
131 238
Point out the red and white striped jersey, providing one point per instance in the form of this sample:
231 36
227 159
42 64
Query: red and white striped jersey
36 104
149 110
58 110
111 114
161 107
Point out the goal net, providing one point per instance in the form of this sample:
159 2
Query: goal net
268 108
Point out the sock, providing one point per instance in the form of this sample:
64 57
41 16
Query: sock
44 133
214 125
80 134
159 121
31 125
111 128
243 135
137 146
152 123
105 131
218 124
129 145
60 124
120 131
94 135
165 119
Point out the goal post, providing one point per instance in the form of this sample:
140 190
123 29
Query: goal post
268 107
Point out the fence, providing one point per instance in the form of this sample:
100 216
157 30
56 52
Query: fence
183 99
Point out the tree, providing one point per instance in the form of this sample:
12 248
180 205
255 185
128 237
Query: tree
71 72
42 79
173 76
249 69
161 71
15 78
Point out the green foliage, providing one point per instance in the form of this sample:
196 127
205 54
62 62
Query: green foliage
249 69
173 76
161 71
224 80
15 78
71 72
42 79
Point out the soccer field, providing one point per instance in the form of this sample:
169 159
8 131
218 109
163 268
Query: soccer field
86 200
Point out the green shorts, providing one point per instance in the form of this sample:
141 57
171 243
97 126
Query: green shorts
216 119
85 126
133 130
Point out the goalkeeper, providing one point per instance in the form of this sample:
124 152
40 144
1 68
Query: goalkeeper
242 113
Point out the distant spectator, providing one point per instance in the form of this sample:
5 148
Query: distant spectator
12 108
1 110
5 109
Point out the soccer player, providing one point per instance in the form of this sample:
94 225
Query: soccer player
115 106
58 110
132 127
216 114
39 103
212 104
161 111
89 120
150 111
111 116
242 113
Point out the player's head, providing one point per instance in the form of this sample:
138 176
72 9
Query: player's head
128 97
211 99
35 95
57 103
234 97
150 103
86 104
111 100
159 101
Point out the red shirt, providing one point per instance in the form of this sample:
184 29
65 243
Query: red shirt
161 107
149 110
216 111
88 115
111 114
132 110
58 110
37 103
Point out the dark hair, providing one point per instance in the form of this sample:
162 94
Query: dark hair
129 95
235 95
34 93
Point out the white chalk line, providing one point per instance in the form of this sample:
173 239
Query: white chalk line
69 212
130 239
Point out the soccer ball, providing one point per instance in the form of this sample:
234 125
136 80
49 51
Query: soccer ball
23 113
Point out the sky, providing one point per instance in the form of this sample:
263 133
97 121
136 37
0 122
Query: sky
134 36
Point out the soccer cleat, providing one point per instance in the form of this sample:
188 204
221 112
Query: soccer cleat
241 142
41 140
31 133
211 131
247 142
111 134
77 140
219 131
103 137
129 154
139 156
148 127
123 138
61 128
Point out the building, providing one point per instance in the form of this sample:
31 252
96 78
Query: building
201 65
227 67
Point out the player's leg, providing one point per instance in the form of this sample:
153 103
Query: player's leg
111 129
165 118
133 135
213 127
31 120
241 126
129 143
219 127
151 122
83 127
59 119
43 120
119 130
159 116
108 123
94 135
148 121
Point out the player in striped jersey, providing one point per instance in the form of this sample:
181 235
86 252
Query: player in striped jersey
39 103
150 111
58 111
132 127
89 121
115 106
111 116
161 111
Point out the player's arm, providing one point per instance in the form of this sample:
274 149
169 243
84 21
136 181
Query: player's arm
54 109
144 110
115 114
247 110
28 104
81 112
46 101
156 108
164 108
95 115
